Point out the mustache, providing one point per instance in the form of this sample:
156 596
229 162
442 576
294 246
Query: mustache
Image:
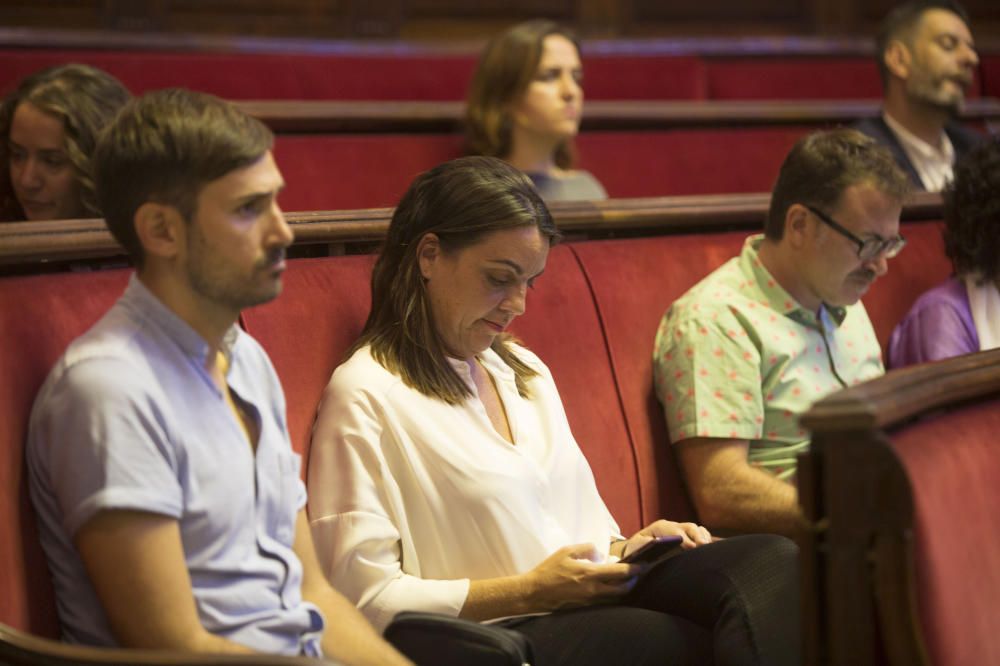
864 274
272 257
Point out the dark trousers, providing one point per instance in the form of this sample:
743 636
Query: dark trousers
732 602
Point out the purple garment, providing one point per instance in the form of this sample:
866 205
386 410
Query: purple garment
939 325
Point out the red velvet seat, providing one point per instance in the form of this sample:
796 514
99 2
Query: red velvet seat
903 566
326 172
634 281
347 171
819 77
952 464
989 68
793 78
921 266
687 161
264 75
351 75
643 77
39 316
562 325
308 328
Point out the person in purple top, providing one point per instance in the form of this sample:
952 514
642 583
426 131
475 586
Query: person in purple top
959 316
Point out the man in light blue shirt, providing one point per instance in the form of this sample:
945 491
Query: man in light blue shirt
169 498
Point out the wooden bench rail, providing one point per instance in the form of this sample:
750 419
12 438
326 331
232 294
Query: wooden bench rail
906 393
708 46
54 38
312 116
859 579
27 243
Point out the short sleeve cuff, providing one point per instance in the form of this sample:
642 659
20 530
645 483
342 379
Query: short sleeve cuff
736 430
128 499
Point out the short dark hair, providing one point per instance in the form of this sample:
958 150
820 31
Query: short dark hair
505 70
164 147
461 202
84 99
972 213
900 22
822 165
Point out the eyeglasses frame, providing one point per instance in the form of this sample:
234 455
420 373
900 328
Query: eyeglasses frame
886 244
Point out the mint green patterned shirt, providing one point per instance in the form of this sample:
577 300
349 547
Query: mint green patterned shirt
736 357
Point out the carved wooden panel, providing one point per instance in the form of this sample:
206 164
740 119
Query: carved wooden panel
718 11
457 9
463 20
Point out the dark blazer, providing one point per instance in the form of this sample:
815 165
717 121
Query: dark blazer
962 139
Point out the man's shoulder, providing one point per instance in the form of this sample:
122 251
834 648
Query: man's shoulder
874 127
713 293
113 342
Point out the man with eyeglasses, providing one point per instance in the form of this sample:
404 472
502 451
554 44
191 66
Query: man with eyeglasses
927 58
748 349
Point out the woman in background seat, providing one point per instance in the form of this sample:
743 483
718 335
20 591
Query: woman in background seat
524 106
48 130
443 475
962 314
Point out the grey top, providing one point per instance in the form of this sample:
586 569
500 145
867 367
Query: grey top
129 418
575 186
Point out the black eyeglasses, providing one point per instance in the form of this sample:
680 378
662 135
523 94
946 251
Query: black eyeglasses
867 249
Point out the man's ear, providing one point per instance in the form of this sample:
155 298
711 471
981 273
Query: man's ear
797 225
898 59
160 229
428 252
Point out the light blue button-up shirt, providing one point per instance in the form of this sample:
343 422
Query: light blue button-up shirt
129 418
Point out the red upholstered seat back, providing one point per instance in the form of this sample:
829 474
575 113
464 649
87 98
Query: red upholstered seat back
793 78
634 281
348 171
989 69
921 265
687 161
643 77
952 464
563 327
326 172
264 75
782 77
39 316
350 75
307 330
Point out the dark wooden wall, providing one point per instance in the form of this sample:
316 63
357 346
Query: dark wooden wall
469 19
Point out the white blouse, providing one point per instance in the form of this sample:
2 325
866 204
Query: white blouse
410 497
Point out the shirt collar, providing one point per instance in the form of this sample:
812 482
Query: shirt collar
145 305
489 360
913 143
765 289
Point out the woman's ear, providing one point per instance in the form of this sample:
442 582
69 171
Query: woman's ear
428 252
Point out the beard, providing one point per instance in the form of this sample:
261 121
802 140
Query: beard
935 92
224 284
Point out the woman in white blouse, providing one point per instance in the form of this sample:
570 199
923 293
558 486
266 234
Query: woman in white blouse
444 477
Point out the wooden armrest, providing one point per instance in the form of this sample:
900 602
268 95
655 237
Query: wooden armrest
18 648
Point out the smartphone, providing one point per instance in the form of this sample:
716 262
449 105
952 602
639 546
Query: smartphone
654 550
